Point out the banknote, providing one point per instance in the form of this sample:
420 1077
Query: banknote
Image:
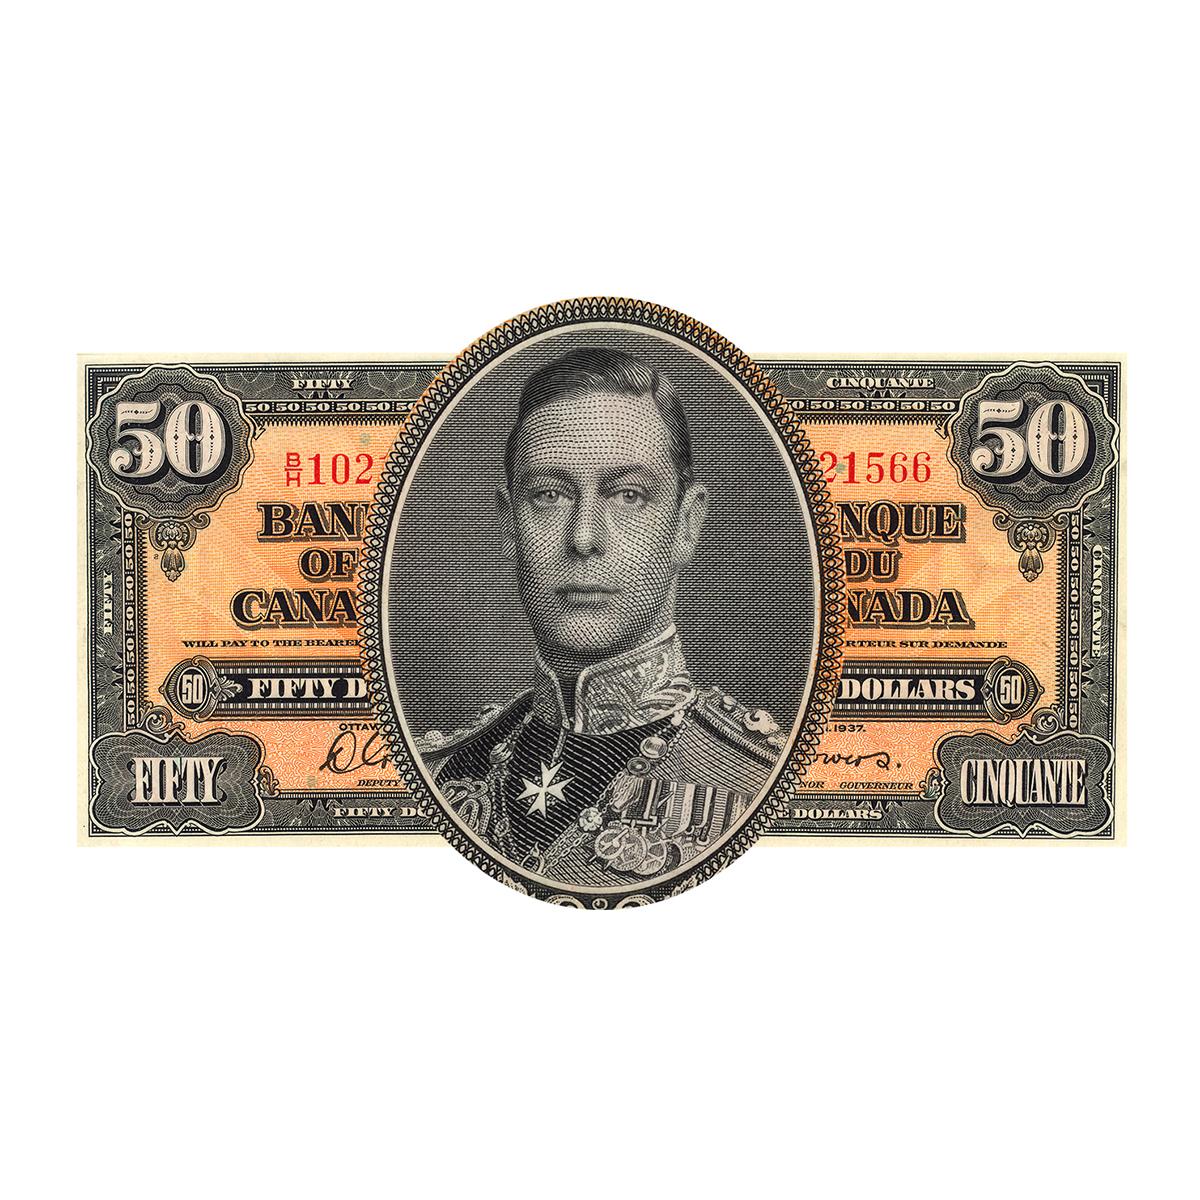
602 600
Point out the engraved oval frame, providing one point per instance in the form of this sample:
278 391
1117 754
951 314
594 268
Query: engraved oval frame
759 389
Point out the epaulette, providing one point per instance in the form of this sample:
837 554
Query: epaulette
751 729
436 744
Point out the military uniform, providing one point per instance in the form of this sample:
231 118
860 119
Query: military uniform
639 773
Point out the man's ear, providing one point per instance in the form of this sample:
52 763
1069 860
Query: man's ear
693 509
508 523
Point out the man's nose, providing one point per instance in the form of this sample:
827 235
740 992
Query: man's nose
586 535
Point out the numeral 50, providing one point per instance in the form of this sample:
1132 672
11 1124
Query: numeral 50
1056 442
192 441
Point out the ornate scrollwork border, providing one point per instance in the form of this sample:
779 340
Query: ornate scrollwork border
1033 519
170 520
758 383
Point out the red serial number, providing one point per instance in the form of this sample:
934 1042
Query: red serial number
876 466
318 469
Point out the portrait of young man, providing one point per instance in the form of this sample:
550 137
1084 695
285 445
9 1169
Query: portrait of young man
614 764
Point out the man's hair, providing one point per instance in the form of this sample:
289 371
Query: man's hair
591 369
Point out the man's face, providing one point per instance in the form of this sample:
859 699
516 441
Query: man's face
597 526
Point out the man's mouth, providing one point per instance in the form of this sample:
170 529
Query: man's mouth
585 593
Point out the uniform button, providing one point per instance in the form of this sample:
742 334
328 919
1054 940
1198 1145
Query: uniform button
500 754
652 747
637 766
728 702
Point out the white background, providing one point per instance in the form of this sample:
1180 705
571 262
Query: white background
906 178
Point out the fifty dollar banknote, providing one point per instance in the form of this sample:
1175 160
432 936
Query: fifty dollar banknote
973 510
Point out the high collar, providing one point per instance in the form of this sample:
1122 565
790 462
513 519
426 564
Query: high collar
629 690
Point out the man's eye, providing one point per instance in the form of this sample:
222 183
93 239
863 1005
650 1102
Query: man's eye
630 497
548 497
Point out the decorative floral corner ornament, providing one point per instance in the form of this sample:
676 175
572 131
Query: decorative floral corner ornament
1034 443
170 444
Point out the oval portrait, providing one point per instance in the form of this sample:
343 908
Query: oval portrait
601 603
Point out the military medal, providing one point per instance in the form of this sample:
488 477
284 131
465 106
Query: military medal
542 793
655 858
622 847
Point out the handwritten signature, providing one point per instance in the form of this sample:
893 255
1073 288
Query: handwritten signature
346 756
881 758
